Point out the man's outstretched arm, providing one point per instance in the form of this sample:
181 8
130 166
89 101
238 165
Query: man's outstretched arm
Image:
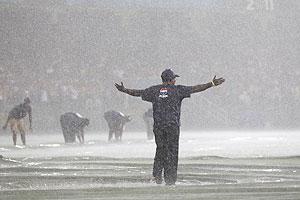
132 92
202 87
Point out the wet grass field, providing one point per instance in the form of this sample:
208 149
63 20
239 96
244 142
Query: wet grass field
47 169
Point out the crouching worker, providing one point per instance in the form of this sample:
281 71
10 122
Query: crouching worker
116 123
72 125
15 120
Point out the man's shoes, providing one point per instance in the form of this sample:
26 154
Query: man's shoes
157 180
170 183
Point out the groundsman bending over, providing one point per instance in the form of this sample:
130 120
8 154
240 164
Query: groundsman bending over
16 122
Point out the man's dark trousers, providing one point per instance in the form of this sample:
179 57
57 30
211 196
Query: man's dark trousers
166 157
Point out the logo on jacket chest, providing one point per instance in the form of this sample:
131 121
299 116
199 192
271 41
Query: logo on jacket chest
163 93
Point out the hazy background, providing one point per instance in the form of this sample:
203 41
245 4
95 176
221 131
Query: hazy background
66 55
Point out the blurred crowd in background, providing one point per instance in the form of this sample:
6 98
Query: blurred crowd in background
67 57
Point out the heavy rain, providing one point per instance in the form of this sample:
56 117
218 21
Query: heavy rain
238 140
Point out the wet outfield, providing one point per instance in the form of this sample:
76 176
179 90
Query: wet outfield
242 166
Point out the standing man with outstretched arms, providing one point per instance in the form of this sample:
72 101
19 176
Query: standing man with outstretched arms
16 122
166 101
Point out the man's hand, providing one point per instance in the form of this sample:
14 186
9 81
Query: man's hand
120 87
132 92
217 81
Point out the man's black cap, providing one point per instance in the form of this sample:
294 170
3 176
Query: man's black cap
168 75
